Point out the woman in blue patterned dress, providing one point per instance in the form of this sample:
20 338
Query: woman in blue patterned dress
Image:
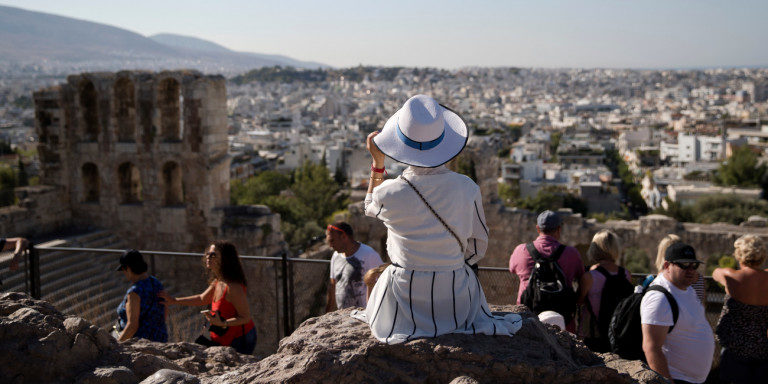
141 313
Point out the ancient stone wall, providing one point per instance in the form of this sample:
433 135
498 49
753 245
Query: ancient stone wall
509 227
144 154
41 209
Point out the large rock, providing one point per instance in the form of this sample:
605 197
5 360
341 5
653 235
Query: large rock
335 348
39 344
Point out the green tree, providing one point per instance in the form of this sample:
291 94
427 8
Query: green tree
554 142
305 200
22 179
742 169
338 176
7 184
257 188
465 165
636 261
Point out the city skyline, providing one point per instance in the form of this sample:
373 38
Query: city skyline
554 34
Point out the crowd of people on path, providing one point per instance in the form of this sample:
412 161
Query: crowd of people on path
437 234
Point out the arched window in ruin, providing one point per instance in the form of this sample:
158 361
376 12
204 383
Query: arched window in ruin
91 182
130 183
125 110
172 187
89 110
169 104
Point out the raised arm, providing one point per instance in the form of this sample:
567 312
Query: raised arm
204 298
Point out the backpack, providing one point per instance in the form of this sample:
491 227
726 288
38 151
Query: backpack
625 330
616 289
547 289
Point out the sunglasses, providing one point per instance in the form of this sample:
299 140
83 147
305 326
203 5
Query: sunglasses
210 254
687 266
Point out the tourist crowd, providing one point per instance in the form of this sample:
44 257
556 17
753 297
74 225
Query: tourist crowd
436 236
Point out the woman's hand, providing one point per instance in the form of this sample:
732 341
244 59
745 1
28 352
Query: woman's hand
376 154
167 299
215 320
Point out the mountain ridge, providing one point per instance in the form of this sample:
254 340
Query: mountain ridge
38 38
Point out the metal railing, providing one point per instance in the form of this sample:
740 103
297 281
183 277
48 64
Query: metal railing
499 285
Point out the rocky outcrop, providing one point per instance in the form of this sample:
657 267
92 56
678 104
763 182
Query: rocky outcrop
335 348
40 344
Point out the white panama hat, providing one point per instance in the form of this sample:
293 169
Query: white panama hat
423 133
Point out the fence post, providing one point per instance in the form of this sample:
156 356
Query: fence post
287 329
291 297
34 273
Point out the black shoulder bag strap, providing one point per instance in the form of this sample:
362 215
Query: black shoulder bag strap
670 299
440 219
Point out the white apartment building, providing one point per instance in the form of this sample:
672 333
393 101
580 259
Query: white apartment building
693 148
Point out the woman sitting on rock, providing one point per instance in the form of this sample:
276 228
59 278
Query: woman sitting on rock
140 314
436 231
743 322
230 315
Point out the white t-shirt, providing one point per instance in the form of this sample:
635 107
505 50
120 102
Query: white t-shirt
348 273
689 348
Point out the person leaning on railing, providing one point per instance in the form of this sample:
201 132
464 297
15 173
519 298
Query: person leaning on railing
18 245
743 321
230 315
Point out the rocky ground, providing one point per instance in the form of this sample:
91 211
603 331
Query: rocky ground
39 344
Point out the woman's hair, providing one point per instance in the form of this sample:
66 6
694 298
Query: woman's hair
605 245
749 250
662 250
373 274
231 270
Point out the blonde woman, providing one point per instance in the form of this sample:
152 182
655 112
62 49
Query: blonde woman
610 284
743 322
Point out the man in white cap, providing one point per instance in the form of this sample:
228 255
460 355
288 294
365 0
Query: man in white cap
435 231
547 245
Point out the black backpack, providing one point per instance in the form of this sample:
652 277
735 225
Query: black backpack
625 330
616 289
547 289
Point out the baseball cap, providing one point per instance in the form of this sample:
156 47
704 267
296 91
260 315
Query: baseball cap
548 221
680 253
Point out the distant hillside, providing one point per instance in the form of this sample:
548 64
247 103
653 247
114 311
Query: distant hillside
28 37
196 47
39 36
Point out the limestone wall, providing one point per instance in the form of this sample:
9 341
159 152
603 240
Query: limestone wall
41 210
144 154
510 227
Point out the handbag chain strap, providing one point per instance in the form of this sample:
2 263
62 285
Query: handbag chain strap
435 213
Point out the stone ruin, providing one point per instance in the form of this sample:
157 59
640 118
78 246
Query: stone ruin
40 344
144 156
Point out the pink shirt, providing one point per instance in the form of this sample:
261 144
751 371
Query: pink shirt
521 264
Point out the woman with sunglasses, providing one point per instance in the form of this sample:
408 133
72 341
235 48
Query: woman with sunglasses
743 322
230 315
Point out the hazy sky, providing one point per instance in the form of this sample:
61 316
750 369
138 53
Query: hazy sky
448 33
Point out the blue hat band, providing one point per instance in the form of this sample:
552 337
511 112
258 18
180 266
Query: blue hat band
420 145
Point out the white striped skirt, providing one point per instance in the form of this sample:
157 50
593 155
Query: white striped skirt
407 304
